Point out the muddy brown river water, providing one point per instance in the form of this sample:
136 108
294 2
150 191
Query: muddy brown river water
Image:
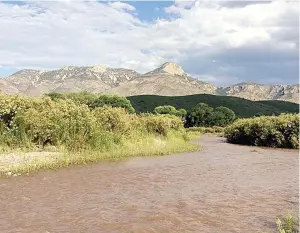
223 188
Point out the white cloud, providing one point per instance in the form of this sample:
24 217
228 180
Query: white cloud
55 34
121 6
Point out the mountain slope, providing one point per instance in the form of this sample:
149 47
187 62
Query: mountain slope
254 91
69 79
167 80
242 107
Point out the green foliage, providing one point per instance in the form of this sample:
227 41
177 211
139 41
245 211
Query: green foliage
273 131
162 124
222 116
64 123
241 107
83 97
168 109
284 106
200 115
113 101
288 225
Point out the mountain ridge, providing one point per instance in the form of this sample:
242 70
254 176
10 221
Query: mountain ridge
167 80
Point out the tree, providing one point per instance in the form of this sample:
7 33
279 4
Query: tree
222 116
113 101
200 115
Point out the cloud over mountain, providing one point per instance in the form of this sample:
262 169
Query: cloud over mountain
224 42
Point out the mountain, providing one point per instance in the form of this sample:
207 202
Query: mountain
168 80
69 79
254 91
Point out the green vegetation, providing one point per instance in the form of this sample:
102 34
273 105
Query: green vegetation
94 101
204 115
113 101
168 109
284 106
241 107
289 224
84 133
273 131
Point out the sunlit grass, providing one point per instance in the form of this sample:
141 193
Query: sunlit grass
148 145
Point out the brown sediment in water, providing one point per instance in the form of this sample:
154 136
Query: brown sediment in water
223 188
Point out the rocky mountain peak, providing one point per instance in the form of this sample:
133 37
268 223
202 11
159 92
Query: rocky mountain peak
169 68
98 69
68 68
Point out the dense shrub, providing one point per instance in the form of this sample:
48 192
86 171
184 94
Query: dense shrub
273 131
82 97
199 116
222 116
63 122
11 105
115 119
113 101
168 109
162 124
203 115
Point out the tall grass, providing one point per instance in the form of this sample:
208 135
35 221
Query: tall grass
289 224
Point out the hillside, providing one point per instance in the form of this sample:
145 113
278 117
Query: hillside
281 105
167 80
242 107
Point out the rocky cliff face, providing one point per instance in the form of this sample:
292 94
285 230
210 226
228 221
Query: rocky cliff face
254 91
169 80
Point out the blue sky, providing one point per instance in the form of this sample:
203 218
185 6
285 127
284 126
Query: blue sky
222 42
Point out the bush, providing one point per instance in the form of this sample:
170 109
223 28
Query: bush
199 116
222 116
82 97
203 115
162 124
288 225
168 109
113 101
273 131
63 122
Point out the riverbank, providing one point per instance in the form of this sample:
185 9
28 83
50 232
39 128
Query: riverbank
17 163
222 188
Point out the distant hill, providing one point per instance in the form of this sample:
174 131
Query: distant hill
167 80
282 105
242 107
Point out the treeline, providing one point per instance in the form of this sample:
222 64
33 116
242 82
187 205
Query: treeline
201 115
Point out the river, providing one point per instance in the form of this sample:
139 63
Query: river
222 188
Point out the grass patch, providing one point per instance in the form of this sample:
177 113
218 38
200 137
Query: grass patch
203 130
148 145
289 224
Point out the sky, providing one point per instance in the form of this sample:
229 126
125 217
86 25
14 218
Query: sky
221 42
